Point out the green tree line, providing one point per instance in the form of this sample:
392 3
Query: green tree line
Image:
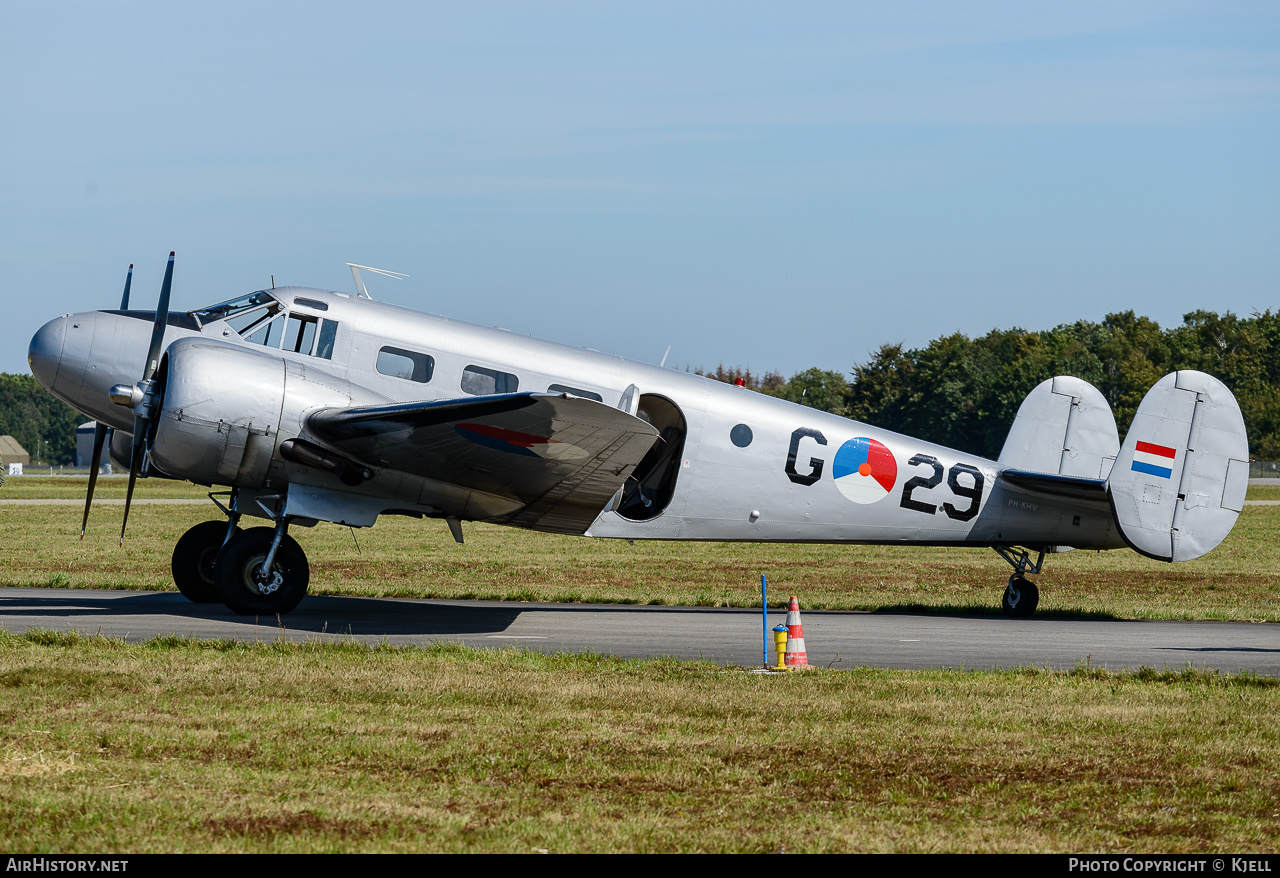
43 425
964 393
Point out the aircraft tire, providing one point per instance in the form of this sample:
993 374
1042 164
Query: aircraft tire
1020 598
238 571
193 562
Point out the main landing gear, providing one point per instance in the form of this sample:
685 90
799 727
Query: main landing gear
1021 595
194 558
261 571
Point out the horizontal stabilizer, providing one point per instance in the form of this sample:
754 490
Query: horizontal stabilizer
1064 426
1178 484
557 459
1055 485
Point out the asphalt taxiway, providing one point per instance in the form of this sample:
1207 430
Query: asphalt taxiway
835 639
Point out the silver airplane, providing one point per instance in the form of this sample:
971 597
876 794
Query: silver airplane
308 405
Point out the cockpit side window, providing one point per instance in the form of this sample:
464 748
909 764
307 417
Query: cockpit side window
300 333
328 332
260 318
262 326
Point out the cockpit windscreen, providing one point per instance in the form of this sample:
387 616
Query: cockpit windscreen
228 310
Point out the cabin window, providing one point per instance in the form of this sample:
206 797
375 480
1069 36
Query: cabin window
573 391
479 381
410 365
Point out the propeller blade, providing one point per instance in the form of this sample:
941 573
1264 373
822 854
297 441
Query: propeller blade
128 281
99 438
162 319
135 464
146 411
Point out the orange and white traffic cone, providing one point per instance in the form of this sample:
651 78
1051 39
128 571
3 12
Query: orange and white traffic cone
796 656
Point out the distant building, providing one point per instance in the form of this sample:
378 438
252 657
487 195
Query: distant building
84 446
12 452
84 442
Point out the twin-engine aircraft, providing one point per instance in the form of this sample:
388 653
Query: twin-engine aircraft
308 405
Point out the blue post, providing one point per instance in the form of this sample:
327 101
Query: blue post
764 606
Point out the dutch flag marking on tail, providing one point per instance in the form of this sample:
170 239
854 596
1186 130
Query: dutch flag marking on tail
1150 458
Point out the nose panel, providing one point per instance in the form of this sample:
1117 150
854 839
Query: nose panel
45 352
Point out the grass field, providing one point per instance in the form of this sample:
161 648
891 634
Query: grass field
179 746
196 746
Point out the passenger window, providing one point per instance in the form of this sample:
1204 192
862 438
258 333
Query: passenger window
479 381
410 365
573 391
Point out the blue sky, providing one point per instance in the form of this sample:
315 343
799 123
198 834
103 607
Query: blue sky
771 185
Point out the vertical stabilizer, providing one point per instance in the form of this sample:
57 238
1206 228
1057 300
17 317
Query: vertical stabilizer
1064 426
1178 484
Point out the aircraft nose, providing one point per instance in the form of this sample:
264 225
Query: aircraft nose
45 352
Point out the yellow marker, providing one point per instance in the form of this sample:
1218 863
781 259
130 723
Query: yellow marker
780 646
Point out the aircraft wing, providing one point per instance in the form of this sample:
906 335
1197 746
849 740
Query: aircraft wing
560 458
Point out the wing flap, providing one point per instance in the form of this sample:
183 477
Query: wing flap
560 458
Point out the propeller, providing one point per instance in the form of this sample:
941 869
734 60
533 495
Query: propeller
128 281
144 397
100 430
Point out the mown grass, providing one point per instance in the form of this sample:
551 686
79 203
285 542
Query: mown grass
111 487
186 746
411 558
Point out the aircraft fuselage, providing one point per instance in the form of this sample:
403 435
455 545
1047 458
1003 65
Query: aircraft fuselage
733 464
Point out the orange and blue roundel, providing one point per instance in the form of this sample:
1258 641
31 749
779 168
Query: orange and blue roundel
865 470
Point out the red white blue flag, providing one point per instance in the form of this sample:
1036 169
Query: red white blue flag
1154 460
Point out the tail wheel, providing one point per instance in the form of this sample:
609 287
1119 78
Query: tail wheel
249 590
193 562
1021 597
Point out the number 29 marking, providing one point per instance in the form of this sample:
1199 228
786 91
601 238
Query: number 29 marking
971 492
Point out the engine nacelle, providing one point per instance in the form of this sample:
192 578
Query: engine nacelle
224 406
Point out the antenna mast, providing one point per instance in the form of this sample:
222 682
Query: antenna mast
361 292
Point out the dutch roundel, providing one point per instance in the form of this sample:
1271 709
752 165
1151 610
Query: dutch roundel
865 470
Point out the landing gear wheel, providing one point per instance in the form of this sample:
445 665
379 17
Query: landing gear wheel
193 560
1020 598
244 587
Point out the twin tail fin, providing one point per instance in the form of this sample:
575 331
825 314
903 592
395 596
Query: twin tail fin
1176 485
1179 482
